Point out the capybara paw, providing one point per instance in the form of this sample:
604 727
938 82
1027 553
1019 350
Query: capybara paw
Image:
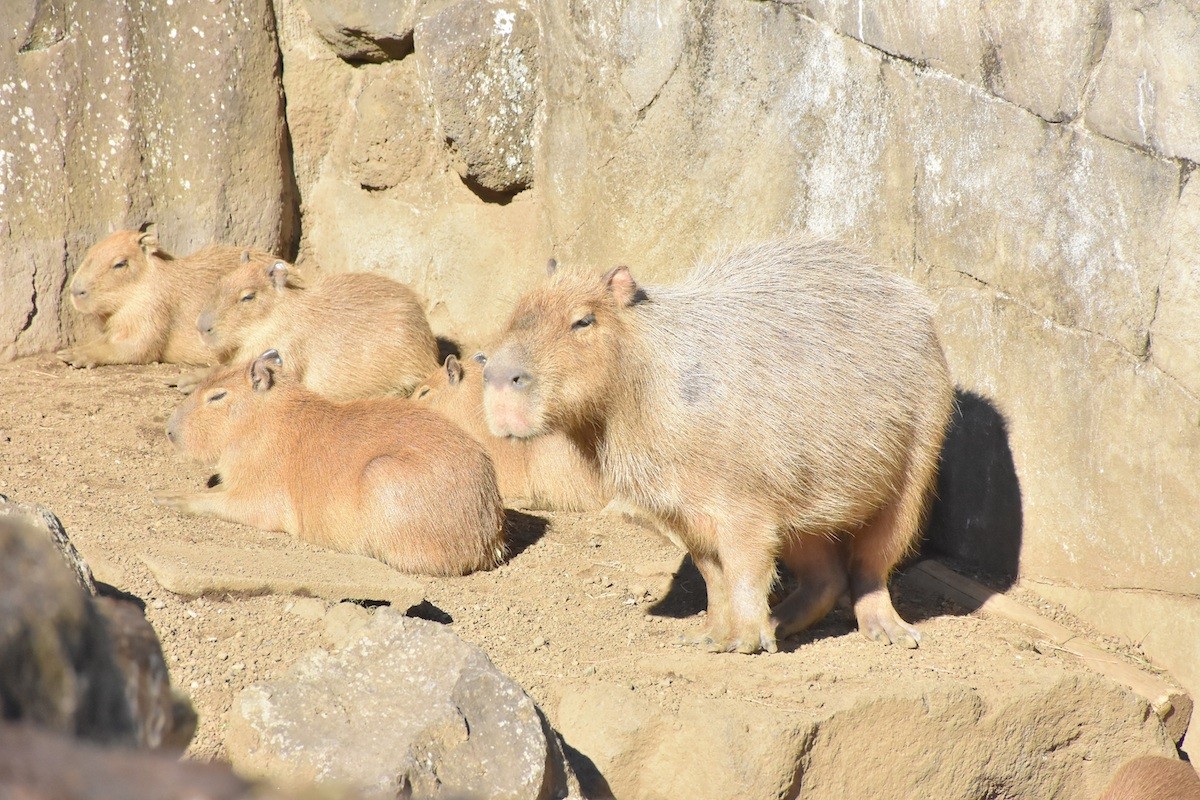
889 629
76 358
187 383
178 501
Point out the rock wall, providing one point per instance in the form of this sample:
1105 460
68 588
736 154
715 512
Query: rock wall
116 113
1032 164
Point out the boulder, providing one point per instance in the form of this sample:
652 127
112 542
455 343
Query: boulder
481 60
365 30
405 707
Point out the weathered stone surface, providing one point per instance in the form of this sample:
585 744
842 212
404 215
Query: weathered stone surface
344 623
944 36
1040 54
115 116
448 725
389 142
43 519
1175 334
83 666
872 740
1147 86
480 58
365 30
193 570
1071 224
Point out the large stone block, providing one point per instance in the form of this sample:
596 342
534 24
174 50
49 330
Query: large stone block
1070 224
1147 86
405 708
1040 54
1175 334
365 30
115 116
480 59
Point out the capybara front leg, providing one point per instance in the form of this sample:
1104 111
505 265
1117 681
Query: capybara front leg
817 564
221 504
716 629
748 552
873 554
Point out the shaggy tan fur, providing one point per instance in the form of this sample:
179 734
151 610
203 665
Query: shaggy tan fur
380 477
349 335
147 301
786 401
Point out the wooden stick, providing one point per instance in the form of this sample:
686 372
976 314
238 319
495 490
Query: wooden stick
1172 705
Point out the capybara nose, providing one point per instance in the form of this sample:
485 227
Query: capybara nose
78 291
172 430
500 376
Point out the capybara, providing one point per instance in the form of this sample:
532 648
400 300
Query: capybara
381 476
146 299
787 400
348 335
1154 778
543 473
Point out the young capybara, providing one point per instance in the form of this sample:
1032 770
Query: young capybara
1154 778
785 401
146 299
380 477
543 473
349 335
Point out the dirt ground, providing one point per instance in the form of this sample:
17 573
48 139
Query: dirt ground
585 597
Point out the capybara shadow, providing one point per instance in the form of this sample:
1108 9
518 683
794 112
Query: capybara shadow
447 347
686 596
976 516
523 530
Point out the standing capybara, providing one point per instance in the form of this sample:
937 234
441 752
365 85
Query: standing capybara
785 401
543 473
348 335
1154 778
380 477
146 299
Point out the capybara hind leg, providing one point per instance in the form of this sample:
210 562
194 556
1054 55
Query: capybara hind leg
817 564
873 553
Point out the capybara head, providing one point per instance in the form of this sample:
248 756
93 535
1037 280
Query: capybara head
555 365
446 387
203 426
242 299
111 268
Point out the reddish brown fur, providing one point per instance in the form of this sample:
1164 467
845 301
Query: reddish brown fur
380 477
1154 778
348 335
146 300
786 401
544 473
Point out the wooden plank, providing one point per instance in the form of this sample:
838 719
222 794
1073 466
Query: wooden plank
1172 705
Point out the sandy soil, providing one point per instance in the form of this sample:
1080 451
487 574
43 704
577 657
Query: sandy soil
584 598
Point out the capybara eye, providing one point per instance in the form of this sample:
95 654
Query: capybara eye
215 396
248 296
583 322
120 264
424 390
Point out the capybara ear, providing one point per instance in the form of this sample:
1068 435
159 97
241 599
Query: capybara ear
148 241
454 370
245 256
480 358
624 288
278 273
551 267
262 371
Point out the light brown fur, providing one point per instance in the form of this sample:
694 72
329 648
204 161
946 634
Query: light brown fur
146 300
1154 778
787 401
544 473
380 477
349 335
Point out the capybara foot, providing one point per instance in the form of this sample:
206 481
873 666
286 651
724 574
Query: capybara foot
879 622
77 358
188 383
179 501
752 640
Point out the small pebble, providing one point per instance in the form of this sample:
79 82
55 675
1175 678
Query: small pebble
159 604
539 643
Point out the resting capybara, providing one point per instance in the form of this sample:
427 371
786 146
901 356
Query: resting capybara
1154 778
146 299
543 473
348 335
785 401
380 477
